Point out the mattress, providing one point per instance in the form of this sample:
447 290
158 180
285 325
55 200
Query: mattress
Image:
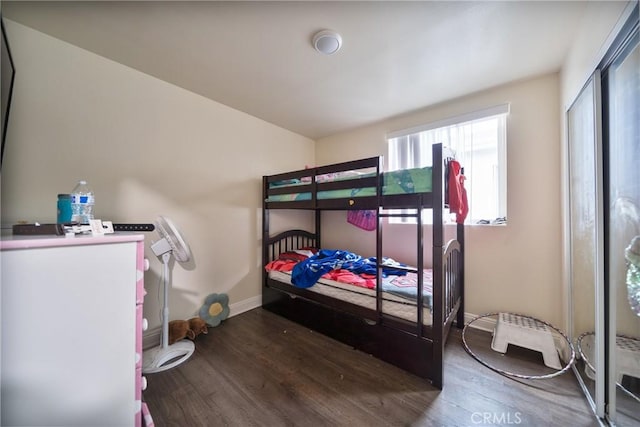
392 305
405 181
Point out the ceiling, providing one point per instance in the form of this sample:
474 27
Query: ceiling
257 57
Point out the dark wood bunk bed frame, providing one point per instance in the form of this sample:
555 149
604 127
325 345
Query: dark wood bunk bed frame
412 346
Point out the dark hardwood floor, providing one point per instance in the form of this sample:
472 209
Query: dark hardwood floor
258 369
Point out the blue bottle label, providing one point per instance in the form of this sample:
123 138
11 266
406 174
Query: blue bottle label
82 199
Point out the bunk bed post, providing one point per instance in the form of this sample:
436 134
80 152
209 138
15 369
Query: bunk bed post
267 294
265 227
420 265
380 185
438 273
318 212
460 316
317 228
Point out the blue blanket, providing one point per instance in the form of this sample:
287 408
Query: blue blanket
306 273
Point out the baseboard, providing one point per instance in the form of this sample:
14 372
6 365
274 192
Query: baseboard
245 305
485 324
151 338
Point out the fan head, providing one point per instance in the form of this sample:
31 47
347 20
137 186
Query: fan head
171 240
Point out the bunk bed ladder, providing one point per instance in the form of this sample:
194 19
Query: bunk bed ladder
438 274
420 272
417 214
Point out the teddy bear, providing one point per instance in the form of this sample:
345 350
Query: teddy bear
180 329
198 326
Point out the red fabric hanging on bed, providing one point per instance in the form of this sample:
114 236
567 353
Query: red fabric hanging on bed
458 203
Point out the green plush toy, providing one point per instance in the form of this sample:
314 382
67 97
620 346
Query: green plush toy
215 309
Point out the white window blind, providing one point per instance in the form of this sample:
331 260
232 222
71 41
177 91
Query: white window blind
479 142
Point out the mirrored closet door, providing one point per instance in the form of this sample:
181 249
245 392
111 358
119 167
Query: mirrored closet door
604 230
621 137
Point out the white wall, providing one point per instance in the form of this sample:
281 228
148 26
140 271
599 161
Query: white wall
598 27
147 148
515 268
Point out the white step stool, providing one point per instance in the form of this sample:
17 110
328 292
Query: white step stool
528 333
627 356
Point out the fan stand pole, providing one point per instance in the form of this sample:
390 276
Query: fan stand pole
165 305
166 356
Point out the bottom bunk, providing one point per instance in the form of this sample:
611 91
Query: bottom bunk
385 323
393 303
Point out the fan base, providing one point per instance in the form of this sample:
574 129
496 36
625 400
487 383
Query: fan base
160 359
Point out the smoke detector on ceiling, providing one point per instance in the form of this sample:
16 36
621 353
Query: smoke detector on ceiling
327 42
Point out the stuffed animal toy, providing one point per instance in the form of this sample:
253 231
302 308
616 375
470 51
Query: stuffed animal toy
198 326
215 309
181 329
178 330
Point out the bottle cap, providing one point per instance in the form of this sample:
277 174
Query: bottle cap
64 195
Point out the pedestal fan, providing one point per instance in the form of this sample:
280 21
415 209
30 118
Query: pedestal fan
167 356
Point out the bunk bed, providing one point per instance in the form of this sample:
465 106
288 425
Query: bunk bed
407 332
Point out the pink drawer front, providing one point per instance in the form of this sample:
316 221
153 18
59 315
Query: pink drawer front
142 416
142 265
140 384
140 327
147 421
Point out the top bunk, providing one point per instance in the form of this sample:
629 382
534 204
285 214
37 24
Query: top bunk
359 184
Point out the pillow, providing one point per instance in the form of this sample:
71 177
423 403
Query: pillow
293 256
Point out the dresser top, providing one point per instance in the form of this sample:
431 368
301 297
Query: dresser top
47 241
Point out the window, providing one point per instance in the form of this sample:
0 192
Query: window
479 143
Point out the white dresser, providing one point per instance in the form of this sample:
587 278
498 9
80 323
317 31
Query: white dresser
72 323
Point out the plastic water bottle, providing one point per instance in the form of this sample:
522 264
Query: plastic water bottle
82 201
